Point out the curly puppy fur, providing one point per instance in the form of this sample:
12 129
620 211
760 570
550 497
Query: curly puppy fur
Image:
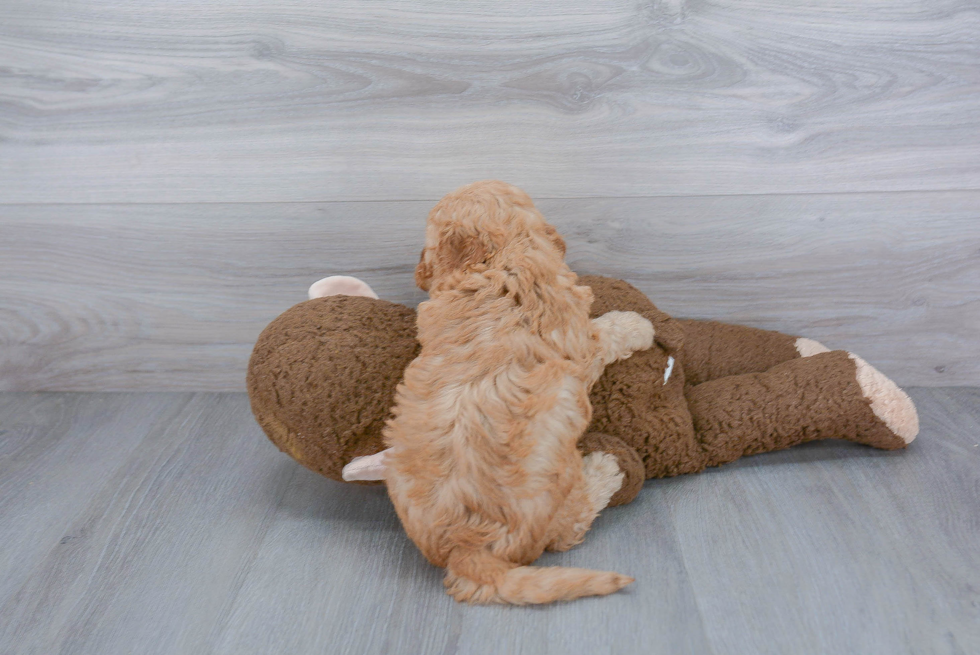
483 468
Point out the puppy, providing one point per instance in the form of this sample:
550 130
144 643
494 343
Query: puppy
483 468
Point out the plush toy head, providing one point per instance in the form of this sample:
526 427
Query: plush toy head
323 374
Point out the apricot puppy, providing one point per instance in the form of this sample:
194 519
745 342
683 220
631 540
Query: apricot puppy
483 468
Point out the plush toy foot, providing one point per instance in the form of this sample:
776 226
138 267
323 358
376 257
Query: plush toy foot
809 347
889 403
341 285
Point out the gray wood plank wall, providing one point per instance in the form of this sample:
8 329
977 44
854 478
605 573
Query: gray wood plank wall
115 101
174 175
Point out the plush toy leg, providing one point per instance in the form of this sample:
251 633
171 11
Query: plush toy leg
337 285
826 396
715 350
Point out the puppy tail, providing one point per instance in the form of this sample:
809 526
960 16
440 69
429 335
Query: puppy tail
480 577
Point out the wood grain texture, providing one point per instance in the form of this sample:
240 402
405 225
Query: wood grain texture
172 297
156 101
170 532
199 537
55 454
881 557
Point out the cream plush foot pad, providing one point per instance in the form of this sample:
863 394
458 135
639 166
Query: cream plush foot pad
889 403
809 347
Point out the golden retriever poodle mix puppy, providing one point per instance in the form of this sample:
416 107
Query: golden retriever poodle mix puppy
483 468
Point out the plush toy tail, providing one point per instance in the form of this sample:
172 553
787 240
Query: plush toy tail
480 577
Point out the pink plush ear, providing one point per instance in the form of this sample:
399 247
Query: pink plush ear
371 467
341 285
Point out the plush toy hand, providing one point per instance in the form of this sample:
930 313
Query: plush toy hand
367 468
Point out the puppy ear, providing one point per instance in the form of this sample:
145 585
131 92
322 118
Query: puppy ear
555 239
457 251
423 272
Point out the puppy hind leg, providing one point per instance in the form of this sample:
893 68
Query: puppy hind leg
601 479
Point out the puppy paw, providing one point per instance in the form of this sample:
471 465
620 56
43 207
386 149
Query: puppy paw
602 478
623 333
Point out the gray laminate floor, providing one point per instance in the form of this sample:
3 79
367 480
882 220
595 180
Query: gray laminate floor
166 523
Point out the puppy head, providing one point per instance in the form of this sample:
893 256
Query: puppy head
488 224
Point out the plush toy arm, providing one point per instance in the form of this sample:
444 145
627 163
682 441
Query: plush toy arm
629 463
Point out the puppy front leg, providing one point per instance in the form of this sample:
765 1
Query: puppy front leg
620 334
601 479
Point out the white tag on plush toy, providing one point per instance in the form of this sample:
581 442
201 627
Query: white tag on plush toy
670 367
369 467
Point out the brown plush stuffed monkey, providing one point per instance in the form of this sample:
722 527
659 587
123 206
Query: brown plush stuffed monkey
322 381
